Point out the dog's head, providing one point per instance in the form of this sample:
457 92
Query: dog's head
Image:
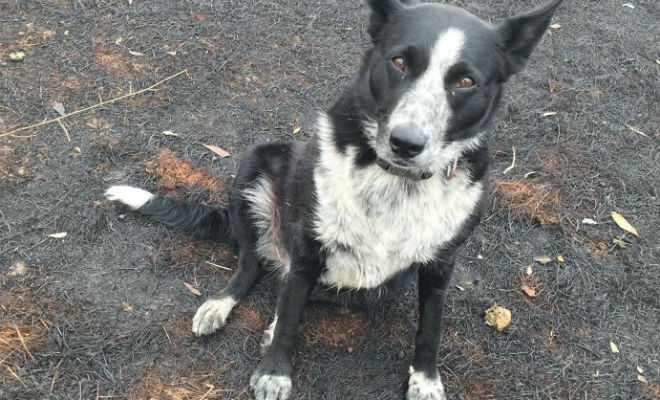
434 78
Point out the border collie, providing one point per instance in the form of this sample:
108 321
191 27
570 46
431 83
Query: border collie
394 181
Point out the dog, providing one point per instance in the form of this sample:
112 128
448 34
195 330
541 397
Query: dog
394 181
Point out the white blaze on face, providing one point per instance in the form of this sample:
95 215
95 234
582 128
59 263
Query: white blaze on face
425 106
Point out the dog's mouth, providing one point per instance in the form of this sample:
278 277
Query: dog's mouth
409 173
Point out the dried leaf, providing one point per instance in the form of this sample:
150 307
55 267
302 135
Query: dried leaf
628 5
118 40
623 223
529 271
480 256
192 289
549 113
637 131
542 259
169 133
614 348
560 259
529 291
498 317
58 235
172 53
555 26
641 379
640 369
78 149
59 108
217 150
589 221
619 243
296 130
461 288
135 53
126 306
17 56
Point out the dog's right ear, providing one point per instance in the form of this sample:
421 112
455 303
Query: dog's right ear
381 12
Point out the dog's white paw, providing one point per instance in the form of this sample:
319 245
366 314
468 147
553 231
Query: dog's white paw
131 196
270 387
422 388
212 315
267 337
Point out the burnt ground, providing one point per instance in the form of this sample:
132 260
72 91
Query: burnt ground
104 313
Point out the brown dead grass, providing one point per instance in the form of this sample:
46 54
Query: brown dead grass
332 327
178 176
195 253
538 201
248 315
23 326
566 162
154 387
111 62
652 389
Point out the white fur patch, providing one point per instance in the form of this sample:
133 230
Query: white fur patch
131 196
425 108
212 315
267 337
265 212
422 388
374 224
270 387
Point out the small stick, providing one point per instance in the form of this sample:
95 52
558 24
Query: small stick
20 337
18 378
219 266
513 162
66 132
100 104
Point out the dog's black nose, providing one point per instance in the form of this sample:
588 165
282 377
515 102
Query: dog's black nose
406 142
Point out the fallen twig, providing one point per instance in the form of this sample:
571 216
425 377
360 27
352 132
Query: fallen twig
97 105
513 162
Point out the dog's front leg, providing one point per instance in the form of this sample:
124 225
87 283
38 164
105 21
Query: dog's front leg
424 382
272 378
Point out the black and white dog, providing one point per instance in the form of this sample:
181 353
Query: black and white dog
395 180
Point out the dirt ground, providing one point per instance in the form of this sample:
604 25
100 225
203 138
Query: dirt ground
104 313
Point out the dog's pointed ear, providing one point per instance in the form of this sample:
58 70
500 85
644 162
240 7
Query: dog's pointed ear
381 12
521 33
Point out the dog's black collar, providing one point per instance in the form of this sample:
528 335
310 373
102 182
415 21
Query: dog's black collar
415 175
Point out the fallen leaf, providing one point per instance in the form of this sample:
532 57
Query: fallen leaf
498 317
529 271
480 256
542 259
59 235
59 108
614 348
169 133
640 369
217 150
529 291
126 307
530 173
192 289
296 130
555 26
135 53
637 131
589 221
549 113
619 243
172 53
657 62
641 379
19 269
17 56
461 288
119 40
560 259
628 5
623 223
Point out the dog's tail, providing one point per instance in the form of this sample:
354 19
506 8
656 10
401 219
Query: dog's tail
201 222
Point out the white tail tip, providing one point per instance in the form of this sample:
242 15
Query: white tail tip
131 196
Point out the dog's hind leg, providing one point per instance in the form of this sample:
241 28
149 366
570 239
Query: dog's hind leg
212 315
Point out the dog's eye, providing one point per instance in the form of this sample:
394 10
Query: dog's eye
465 82
399 63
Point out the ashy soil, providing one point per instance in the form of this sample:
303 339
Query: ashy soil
103 312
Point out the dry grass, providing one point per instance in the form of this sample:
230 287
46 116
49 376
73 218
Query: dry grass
332 328
178 176
154 387
537 201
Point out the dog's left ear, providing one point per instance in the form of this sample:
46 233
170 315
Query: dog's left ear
521 33
381 12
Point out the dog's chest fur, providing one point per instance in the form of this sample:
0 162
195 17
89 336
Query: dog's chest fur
373 224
